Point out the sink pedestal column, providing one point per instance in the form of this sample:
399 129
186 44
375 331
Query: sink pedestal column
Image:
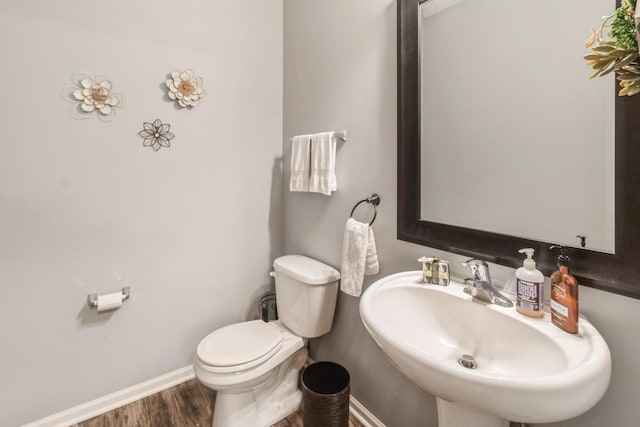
452 415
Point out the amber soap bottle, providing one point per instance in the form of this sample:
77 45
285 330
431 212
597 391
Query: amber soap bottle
564 295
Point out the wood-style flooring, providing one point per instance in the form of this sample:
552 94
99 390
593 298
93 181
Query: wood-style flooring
186 405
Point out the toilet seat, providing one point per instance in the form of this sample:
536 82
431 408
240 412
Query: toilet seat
239 346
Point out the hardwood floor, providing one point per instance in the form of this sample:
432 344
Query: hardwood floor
186 405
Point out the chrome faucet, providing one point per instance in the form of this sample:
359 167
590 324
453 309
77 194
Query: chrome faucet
479 286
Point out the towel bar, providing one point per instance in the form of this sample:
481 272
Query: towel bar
374 200
342 136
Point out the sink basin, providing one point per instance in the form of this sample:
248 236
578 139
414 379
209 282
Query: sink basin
482 360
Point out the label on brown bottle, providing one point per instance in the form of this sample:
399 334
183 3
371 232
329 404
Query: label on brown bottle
558 309
561 313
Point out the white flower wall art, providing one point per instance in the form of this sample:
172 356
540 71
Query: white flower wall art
93 95
185 88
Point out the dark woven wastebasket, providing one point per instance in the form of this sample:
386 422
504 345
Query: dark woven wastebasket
325 395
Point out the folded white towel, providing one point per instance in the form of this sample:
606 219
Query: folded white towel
323 163
371 265
359 257
300 163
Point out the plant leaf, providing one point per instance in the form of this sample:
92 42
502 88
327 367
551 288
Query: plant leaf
626 61
617 53
603 47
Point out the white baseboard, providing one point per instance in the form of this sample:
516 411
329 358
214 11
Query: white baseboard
115 400
362 414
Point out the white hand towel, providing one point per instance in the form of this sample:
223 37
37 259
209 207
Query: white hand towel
300 163
323 163
371 265
359 257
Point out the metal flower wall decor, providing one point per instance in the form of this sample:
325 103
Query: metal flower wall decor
156 134
93 95
620 53
185 88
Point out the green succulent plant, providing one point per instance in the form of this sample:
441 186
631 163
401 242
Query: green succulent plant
620 53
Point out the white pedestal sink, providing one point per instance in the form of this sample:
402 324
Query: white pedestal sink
486 364
452 415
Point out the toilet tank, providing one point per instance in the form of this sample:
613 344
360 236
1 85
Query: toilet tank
306 292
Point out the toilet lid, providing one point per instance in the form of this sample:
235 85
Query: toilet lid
246 343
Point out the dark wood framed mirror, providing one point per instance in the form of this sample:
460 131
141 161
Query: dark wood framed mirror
618 273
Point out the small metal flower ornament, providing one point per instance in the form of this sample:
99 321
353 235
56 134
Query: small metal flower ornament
93 95
185 88
156 135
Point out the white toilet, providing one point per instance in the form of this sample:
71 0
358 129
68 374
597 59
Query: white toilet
254 365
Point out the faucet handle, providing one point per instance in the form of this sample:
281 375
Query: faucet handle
479 269
475 262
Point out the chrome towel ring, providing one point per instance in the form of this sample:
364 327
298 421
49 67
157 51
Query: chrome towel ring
374 200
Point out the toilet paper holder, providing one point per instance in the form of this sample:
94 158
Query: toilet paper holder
92 299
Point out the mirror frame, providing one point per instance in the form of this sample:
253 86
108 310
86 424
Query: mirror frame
618 273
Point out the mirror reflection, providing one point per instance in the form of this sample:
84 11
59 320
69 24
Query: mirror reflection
515 139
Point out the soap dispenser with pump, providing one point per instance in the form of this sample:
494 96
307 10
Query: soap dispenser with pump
564 295
529 287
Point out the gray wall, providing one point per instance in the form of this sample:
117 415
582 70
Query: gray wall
340 73
84 207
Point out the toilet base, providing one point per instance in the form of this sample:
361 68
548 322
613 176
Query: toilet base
240 410
269 403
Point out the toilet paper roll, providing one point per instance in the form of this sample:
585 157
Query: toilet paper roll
109 301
